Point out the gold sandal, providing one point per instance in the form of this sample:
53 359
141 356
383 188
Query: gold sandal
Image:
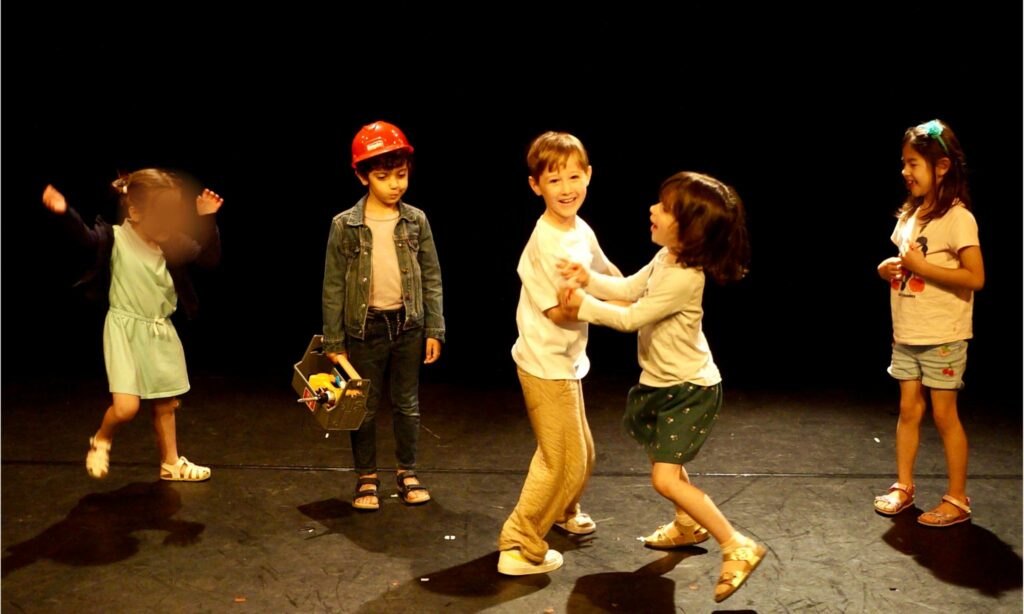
889 503
935 518
674 535
730 581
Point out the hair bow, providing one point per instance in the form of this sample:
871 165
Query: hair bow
934 130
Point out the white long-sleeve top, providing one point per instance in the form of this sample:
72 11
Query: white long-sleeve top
666 310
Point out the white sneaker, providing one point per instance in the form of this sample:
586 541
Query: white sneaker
512 563
580 524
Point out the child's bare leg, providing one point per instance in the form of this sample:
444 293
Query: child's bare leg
668 481
955 441
121 410
739 553
166 433
908 430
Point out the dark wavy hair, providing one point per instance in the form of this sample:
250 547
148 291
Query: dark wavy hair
953 186
712 225
388 161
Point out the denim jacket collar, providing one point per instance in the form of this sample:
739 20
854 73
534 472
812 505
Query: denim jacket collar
358 212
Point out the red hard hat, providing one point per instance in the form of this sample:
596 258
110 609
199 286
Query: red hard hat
376 139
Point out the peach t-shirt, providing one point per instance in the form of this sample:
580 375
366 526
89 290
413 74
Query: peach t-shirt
925 312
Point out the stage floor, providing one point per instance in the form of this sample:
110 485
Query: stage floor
273 530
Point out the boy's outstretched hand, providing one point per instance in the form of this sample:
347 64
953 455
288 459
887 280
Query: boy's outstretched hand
208 202
575 274
54 200
433 351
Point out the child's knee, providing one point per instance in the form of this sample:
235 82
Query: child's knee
125 408
168 406
911 410
945 418
663 481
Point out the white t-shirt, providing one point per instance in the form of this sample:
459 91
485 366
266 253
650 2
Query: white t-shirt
545 349
667 311
925 312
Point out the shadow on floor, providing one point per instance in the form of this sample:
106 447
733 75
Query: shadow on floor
965 554
396 529
98 530
470 587
643 590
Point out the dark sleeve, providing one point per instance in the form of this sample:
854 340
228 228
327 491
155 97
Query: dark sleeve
82 235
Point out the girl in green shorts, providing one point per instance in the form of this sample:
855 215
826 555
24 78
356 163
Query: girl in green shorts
700 225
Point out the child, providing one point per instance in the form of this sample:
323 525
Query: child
382 303
933 281
700 225
551 358
140 266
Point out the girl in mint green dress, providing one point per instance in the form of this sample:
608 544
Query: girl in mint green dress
141 268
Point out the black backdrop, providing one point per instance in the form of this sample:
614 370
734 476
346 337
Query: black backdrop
802 112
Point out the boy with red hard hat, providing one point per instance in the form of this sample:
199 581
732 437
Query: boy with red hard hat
382 305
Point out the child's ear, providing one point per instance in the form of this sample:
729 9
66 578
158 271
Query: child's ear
362 180
590 171
942 167
534 186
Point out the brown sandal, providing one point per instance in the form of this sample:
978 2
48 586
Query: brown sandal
938 519
889 503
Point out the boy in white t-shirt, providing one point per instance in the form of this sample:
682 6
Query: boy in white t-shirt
550 354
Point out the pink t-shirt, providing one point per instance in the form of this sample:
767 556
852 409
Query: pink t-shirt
925 312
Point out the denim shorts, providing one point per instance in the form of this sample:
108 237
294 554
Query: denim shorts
937 366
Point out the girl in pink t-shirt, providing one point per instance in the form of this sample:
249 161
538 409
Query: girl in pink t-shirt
932 282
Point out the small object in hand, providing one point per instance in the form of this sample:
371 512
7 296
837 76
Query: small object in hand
239 599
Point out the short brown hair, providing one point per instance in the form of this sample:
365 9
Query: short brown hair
130 187
712 226
553 150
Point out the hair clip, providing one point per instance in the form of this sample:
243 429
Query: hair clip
121 185
934 130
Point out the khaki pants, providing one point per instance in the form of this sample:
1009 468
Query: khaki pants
560 467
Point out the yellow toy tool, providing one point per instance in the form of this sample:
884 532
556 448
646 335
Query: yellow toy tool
336 403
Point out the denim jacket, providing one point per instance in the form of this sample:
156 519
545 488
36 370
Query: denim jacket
348 271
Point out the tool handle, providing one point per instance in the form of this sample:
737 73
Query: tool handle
347 367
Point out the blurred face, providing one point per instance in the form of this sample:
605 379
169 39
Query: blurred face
917 172
387 185
563 190
664 228
160 216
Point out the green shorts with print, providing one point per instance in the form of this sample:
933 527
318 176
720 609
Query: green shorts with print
940 367
672 423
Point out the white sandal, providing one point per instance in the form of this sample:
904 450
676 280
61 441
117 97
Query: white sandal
675 535
184 471
97 461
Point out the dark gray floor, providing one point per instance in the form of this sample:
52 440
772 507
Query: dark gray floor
274 527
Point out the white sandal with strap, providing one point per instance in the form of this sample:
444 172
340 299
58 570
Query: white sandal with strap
184 471
97 461
935 518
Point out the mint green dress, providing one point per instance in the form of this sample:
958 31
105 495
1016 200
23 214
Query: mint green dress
141 347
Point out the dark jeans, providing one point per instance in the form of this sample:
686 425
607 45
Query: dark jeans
387 350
